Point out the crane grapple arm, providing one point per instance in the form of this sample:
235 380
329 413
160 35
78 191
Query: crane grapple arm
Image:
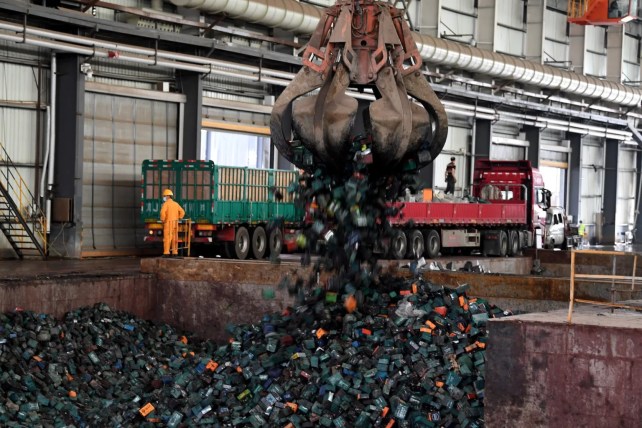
365 48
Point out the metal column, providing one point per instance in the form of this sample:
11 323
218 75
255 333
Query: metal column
426 176
638 218
533 135
482 139
66 238
610 191
191 85
575 176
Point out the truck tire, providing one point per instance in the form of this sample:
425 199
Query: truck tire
275 243
259 242
433 244
415 244
398 245
503 243
513 243
241 243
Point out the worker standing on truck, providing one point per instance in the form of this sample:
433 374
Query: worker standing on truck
450 177
171 213
581 229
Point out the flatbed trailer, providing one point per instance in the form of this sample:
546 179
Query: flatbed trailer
507 220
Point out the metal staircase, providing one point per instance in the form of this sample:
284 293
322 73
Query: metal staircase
21 220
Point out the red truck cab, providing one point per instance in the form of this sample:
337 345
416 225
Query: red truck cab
500 181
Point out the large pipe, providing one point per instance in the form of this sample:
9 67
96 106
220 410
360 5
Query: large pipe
61 42
52 135
303 18
287 15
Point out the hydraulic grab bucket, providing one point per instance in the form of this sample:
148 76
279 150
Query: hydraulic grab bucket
365 48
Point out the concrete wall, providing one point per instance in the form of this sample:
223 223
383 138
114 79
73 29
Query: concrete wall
543 372
204 295
59 295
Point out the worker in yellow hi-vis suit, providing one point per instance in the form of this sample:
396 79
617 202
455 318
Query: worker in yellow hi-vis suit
171 213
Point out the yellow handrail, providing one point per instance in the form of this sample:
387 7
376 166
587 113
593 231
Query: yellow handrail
577 8
595 278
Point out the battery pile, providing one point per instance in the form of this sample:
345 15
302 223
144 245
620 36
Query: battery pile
411 354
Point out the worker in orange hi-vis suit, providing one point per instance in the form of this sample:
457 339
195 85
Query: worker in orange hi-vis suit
170 214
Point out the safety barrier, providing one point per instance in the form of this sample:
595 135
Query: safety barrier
613 279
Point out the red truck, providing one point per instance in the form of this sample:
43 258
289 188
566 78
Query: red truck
507 215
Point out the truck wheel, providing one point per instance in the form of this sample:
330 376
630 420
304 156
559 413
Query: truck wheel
398 245
513 243
415 244
241 243
259 243
433 244
275 243
503 243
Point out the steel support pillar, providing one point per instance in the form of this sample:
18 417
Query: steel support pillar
426 176
191 85
482 139
533 136
638 182
68 159
610 191
574 189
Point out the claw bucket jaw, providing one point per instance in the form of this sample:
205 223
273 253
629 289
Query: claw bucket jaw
363 48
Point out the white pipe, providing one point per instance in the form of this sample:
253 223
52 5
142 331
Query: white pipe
52 148
45 161
434 50
303 18
80 50
82 46
116 47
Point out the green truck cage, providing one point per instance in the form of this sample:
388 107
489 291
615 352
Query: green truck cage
219 195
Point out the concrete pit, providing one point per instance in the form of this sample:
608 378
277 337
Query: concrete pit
536 363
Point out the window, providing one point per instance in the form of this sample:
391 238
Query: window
235 149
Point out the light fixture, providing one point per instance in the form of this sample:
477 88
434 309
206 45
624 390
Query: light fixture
85 68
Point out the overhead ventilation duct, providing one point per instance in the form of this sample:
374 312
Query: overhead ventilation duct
303 18
90 47
287 15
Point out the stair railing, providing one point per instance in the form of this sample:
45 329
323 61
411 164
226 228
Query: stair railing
28 210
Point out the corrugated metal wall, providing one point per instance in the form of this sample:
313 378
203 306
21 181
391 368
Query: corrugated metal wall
592 180
120 133
18 83
18 120
626 190
456 146
510 33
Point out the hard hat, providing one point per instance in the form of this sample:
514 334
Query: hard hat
168 192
